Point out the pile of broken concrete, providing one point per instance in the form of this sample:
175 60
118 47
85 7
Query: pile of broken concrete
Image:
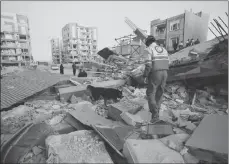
82 132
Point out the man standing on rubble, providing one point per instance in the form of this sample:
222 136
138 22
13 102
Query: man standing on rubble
156 66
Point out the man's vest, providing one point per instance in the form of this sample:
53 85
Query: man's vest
158 56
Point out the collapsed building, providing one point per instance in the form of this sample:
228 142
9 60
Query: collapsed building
62 125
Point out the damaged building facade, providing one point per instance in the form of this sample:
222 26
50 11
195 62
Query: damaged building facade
129 45
79 42
15 39
56 50
180 28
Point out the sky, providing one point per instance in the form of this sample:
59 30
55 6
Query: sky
47 18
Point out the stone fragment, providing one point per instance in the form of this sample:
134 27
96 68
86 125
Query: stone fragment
138 118
56 106
175 141
180 101
76 147
116 109
57 119
73 99
36 150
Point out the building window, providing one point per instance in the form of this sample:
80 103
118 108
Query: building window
175 25
160 31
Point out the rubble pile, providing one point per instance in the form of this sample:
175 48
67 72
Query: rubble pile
77 147
181 111
36 111
8 70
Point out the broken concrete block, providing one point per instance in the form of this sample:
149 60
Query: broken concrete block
186 124
188 158
56 119
77 147
150 151
175 141
180 101
138 118
158 129
142 102
36 150
211 134
40 158
73 99
63 128
178 131
114 110
115 136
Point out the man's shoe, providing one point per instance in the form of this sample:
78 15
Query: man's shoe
155 119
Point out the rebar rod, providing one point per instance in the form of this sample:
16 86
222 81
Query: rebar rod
213 33
219 25
216 29
223 22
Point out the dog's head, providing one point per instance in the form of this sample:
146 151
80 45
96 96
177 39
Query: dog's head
89 87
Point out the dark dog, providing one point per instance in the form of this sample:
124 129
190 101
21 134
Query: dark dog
106 93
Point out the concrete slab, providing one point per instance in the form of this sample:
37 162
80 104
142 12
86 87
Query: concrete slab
87 116
78 91
211 134
115 110
150 151
35 135
18 88
115 136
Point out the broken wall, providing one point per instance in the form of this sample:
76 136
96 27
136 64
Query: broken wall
196 26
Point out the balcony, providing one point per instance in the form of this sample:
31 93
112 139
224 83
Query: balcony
23 40
9 39
8 47
9 32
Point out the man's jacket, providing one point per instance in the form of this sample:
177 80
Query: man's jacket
74 66
155 58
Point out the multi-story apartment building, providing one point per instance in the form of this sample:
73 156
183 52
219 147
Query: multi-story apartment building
179 28
56 50
79 43
15 39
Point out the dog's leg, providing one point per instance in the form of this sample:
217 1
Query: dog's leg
105 101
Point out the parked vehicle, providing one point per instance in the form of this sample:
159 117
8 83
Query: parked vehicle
54 67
